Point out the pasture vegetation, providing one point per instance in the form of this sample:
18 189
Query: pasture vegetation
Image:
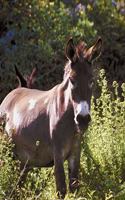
102 172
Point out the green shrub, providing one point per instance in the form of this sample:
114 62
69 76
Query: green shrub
105 143
9 172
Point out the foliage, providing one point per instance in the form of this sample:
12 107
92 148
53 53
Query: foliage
109 21
9 172
34 34
104 144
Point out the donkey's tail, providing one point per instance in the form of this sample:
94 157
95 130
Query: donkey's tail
21 79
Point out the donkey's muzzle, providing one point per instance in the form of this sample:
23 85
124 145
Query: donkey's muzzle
83 121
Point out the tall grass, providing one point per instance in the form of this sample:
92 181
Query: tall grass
103 154
102 171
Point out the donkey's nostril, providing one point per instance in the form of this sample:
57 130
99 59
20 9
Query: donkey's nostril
83 121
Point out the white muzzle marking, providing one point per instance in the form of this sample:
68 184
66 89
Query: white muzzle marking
82 109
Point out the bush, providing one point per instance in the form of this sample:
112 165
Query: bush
108 18
104 144
9 168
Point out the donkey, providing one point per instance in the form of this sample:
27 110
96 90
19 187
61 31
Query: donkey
26 82
46 126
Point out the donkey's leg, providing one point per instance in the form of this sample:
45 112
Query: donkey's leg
74 164
59 173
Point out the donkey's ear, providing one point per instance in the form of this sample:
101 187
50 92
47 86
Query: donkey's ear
94 51
70 49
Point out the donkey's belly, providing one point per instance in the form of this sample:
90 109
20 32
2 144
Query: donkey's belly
37 154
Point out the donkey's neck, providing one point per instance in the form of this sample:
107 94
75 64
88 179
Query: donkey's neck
59 103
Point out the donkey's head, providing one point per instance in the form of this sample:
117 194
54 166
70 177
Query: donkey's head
80 75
